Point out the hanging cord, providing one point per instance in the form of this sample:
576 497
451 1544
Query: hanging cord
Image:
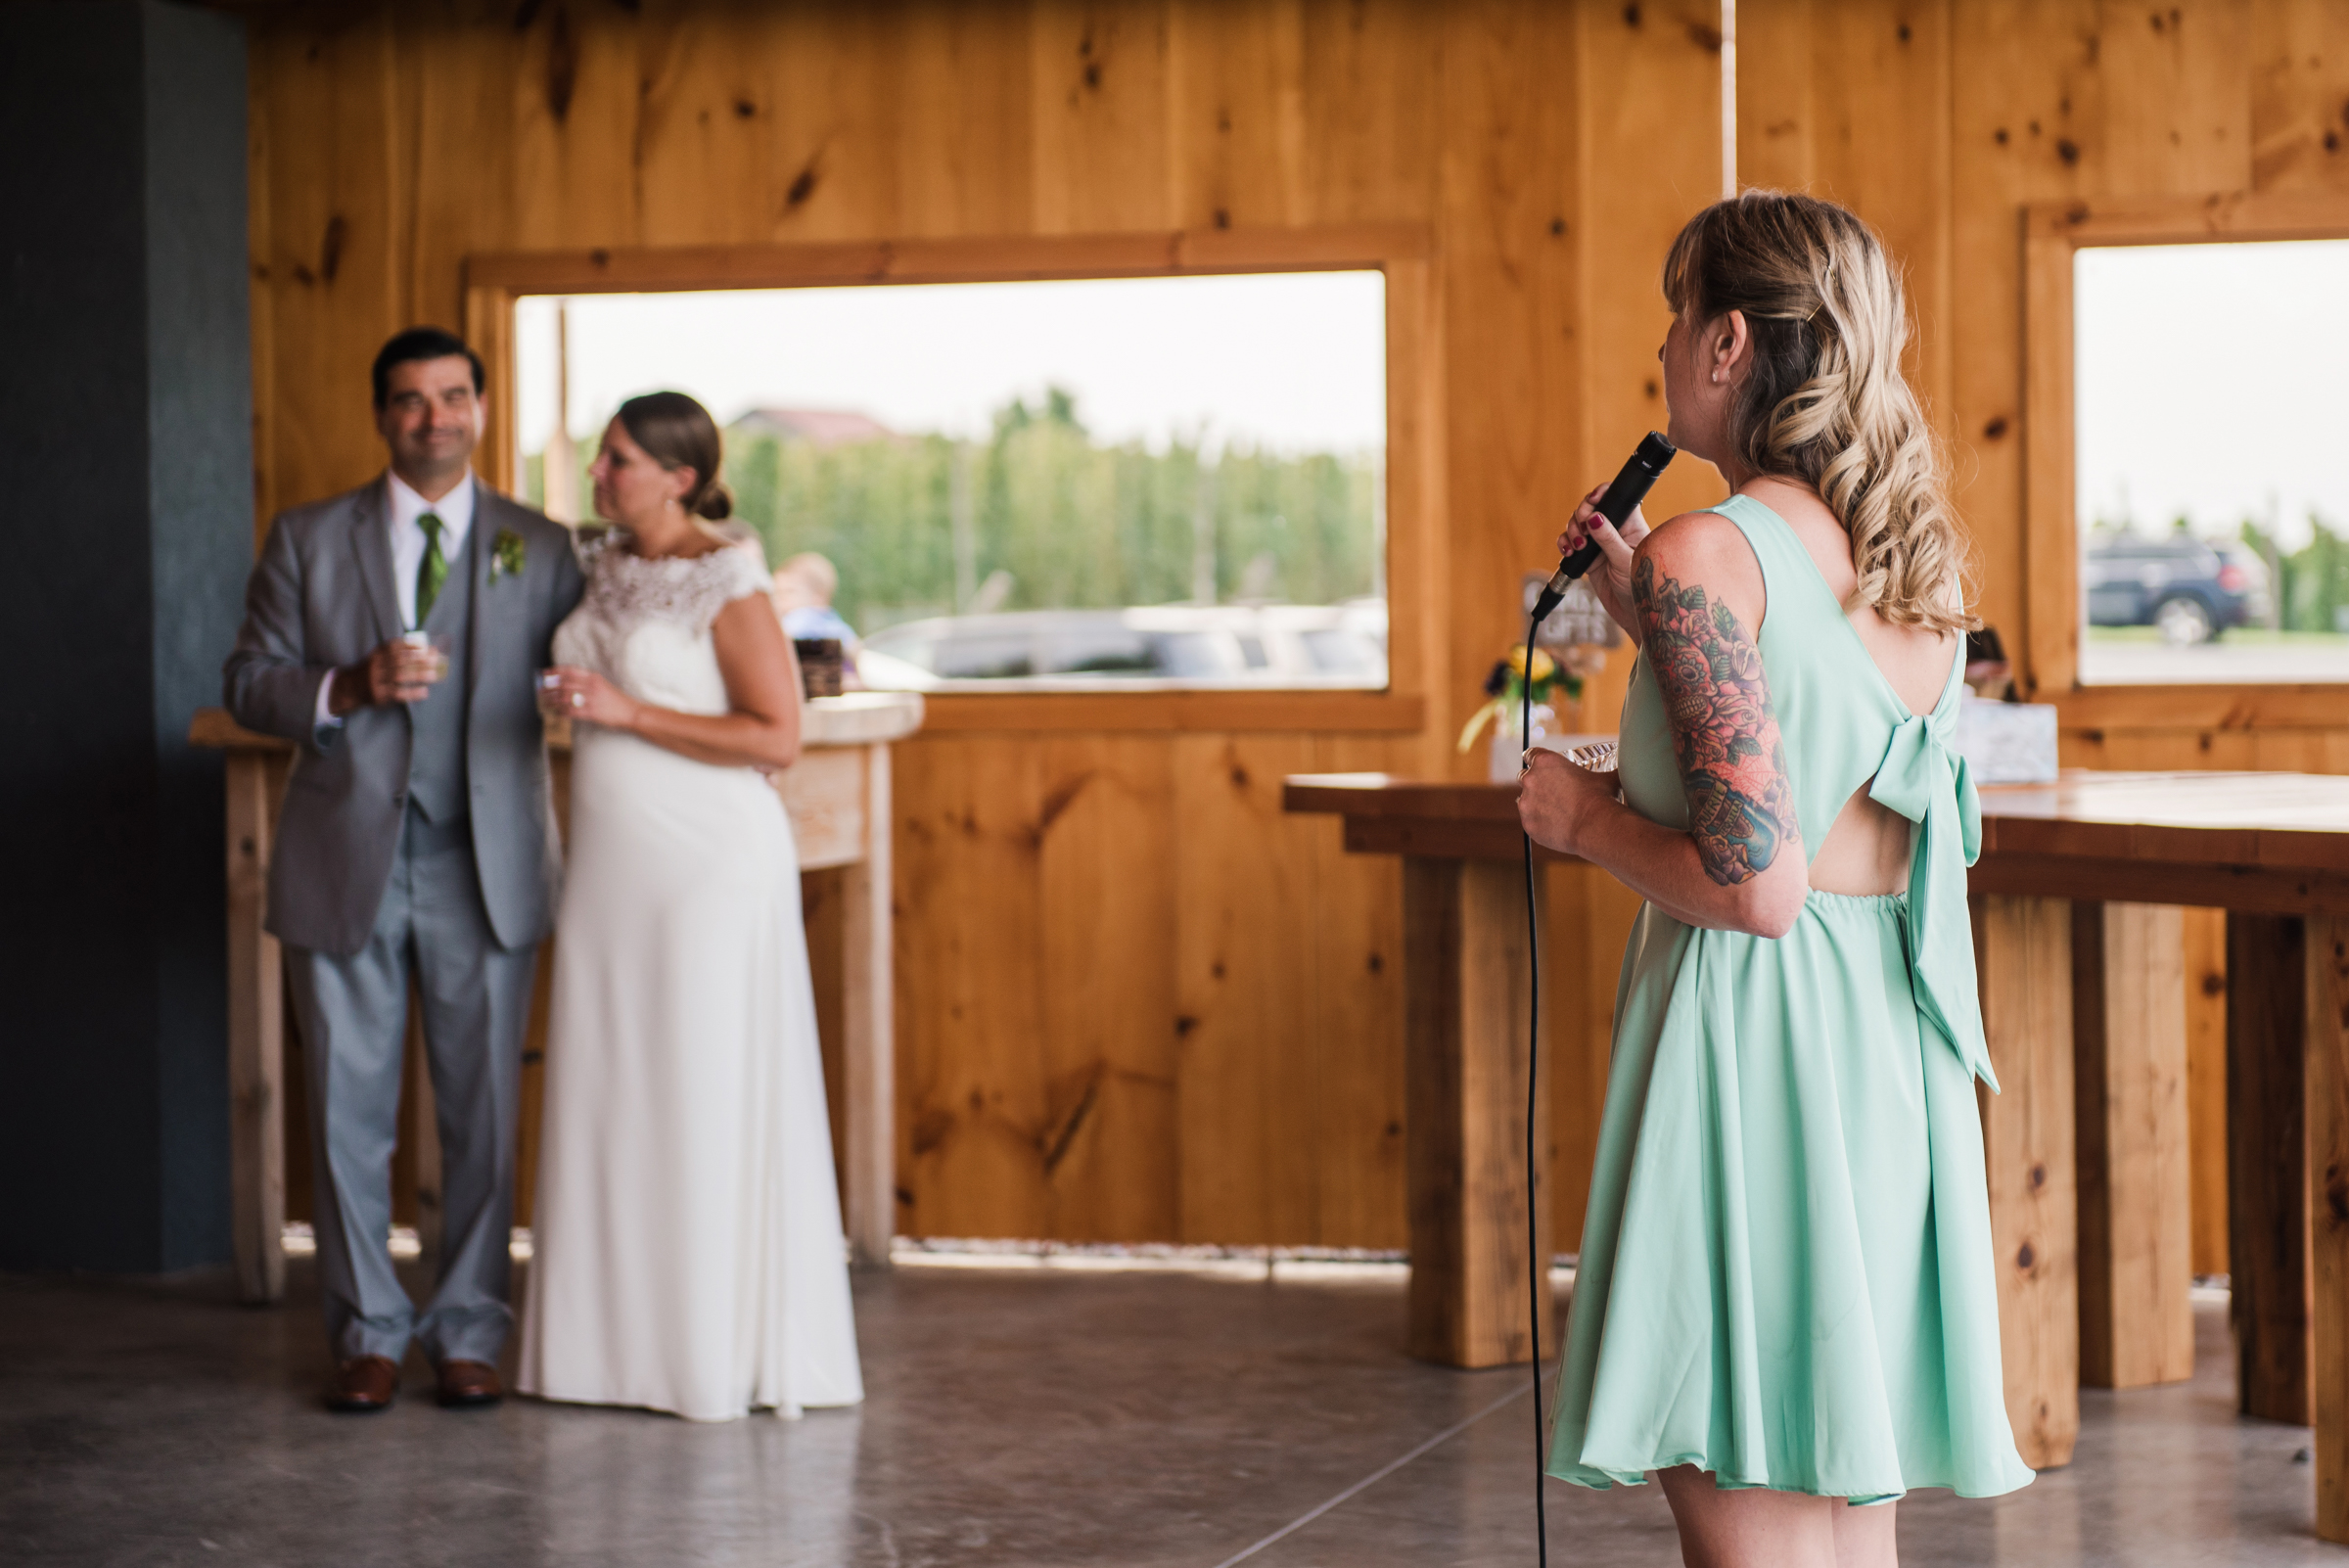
1537 1276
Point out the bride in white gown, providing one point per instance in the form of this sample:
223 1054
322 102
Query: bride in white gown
688 1248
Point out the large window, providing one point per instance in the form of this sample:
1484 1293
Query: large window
2212 461
1090 485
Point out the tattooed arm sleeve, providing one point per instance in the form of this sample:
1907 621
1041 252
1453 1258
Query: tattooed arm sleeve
1708 672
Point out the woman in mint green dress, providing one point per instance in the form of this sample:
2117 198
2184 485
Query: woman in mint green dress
1785 1304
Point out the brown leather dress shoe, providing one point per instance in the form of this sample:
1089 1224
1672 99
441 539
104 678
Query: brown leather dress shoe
467 1383
363 1383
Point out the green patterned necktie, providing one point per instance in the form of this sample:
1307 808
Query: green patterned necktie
433 571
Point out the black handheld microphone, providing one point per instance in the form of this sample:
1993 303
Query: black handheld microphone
1631 487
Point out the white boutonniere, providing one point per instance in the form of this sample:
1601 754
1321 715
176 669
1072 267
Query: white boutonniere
506 555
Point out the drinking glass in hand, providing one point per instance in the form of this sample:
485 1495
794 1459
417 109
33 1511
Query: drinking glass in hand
423 657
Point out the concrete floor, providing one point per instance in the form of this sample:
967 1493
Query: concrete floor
1017 1417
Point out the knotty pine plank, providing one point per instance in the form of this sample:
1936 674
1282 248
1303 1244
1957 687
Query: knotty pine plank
1245 1117
1778 89
1236 120
1100 109
2129 1036
2204 935
2299 95
332 271
2008 60
734 104
2131 751
1649 152
454 89
971 1097
578 129
1358 1024
1850 102
832 164
2173 99
2301 751
2267 1174
1508 286
1367 82
965 134
1107 903
2024 947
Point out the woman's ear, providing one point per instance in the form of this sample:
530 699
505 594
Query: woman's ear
681 481
1732 349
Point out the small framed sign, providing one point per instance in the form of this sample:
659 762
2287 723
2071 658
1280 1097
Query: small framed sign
1578 621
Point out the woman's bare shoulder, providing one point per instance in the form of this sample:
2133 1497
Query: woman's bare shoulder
1698 548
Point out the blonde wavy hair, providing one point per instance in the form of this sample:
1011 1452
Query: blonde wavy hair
1826 402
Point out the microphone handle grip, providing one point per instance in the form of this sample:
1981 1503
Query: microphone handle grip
1583 559
1623 493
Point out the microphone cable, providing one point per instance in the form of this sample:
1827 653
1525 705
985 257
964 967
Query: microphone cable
1537 1276
1622 495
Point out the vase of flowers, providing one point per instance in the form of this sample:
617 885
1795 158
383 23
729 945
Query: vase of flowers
1505 691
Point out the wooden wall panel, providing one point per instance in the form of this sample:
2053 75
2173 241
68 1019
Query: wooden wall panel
1367 115
1358 1019
1100 101
965 135
1236 130
2299 113
1651 158
1854 106
973 1097
1507 171
1250 1082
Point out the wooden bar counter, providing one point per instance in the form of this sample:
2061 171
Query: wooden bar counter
838 796
2077 933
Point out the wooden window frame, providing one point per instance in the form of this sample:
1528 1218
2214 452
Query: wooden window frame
494 281
2053 232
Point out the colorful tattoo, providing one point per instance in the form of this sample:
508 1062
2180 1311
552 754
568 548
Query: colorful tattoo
1732 764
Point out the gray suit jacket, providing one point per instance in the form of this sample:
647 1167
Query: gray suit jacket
322 595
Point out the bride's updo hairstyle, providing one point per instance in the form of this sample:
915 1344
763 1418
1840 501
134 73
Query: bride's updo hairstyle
677 432
1826 402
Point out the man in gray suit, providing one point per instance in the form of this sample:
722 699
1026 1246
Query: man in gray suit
396 632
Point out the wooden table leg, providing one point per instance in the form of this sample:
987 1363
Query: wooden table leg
257 1033
2267 1163
2136 1312
2024 949
870 1040
1465 982
2327 1044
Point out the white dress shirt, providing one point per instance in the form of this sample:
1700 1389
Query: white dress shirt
408 542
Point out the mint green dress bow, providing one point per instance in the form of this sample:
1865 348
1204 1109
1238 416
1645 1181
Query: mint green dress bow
1930 785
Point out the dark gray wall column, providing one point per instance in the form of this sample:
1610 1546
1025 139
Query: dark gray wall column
126 530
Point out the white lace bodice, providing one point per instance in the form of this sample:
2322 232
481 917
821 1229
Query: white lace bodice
644 624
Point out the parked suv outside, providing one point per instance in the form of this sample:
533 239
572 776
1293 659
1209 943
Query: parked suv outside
2188 590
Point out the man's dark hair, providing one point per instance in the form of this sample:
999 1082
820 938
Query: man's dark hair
422 343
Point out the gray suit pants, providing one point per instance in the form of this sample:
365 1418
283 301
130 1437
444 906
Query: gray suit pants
354 1017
